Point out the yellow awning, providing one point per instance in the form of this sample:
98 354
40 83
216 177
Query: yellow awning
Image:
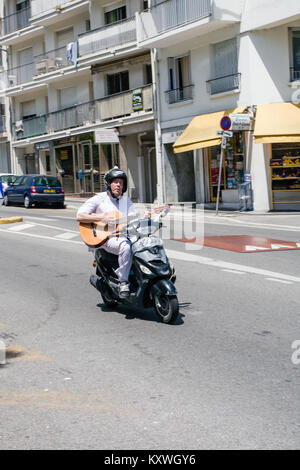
277 123
202 131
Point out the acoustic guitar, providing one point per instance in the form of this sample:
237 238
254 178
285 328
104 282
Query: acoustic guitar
94 234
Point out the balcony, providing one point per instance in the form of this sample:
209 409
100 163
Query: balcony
294 74
86 114
41 64
169 22
178 95
224 84
108 37
47 11
15 21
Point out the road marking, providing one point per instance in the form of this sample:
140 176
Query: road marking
187 257
44 237
39 218
278 280
67 235
19 227
233 271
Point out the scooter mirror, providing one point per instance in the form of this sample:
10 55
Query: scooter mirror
164 212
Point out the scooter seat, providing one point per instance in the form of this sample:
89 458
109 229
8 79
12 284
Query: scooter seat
109 259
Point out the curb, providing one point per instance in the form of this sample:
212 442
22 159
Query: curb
10 220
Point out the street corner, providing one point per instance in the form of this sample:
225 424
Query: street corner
10 220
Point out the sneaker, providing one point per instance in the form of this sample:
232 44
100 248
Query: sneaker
124 289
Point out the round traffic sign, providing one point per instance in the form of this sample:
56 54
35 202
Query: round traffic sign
225 123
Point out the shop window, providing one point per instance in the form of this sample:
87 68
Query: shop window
115 15
117 82
232 165
295 43
285 176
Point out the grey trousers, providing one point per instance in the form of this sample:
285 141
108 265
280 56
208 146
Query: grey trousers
121 247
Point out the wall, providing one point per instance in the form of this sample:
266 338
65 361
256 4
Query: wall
264 13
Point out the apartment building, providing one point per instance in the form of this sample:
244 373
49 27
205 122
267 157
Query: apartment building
80 92
85 84
218 57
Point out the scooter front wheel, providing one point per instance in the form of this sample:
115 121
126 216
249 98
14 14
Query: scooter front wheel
166 307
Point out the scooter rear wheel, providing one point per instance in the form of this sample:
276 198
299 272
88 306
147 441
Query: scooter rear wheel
166 307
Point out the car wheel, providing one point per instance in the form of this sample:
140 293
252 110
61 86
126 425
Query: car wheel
5 201
27 202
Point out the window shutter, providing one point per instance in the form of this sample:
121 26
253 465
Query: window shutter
225 57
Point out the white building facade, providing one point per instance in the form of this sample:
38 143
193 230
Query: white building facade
217 57
153 71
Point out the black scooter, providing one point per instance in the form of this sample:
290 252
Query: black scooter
151 278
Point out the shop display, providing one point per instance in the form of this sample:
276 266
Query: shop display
233 165
285 174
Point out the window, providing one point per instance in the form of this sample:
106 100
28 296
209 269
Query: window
28 109
148 74
295 69
180 87
117 82
225 67
115 15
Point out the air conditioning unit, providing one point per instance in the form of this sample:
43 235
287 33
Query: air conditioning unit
44 66
41 66
12 80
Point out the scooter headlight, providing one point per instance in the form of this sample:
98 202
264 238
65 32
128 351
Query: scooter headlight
145 270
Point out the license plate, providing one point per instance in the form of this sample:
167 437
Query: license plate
49 190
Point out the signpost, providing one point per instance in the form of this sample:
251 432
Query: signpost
225 136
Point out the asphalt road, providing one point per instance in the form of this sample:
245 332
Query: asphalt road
81 376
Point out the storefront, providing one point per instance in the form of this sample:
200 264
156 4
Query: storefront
81 163
277 126
201 134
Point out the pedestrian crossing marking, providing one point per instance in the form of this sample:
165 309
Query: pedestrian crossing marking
20 227
67 235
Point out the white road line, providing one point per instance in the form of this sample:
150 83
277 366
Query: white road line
67 235
44 237
233 271
38 218
19 227
233 266
278 280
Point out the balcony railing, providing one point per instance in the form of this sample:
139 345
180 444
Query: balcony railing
294 74
179 94
108 36
41 64
169 14
16 21
40 7
224 84
2 124
84 114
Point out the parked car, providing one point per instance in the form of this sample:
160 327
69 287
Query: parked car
6 179
34 189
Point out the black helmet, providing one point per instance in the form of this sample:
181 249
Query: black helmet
115 173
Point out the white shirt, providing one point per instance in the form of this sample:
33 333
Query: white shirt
102 203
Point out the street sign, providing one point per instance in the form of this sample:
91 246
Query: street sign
240 122
225 123
106 136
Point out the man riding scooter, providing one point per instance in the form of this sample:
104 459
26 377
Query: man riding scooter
98 209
